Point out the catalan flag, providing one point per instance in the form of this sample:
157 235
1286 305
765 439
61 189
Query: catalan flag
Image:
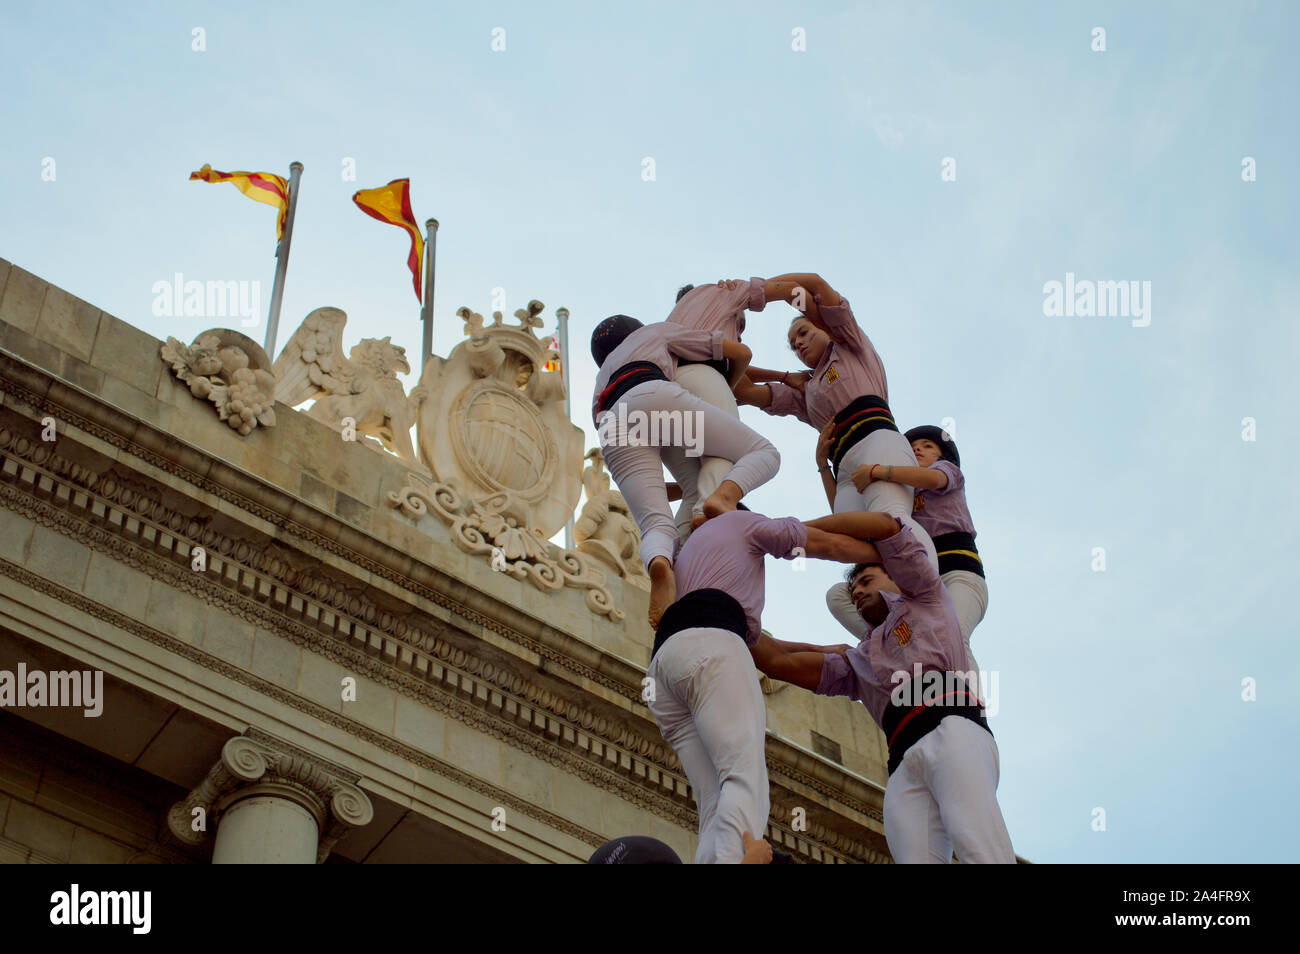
260 186
553 344
392 204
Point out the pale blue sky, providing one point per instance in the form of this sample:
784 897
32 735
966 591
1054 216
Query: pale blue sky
1119 689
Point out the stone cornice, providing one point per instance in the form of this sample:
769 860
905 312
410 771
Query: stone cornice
434 666
302 523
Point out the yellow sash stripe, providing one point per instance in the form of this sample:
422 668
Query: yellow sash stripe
969 553
861 423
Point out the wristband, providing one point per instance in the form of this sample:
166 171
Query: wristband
823 467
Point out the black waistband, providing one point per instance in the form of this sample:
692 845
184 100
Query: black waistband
719 366
626 378
861 417
906 723
701 608
956 551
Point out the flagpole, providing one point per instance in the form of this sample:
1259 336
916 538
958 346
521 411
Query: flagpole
282 261
426 312
562 326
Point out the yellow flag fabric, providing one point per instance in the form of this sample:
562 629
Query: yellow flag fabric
392 204
259 186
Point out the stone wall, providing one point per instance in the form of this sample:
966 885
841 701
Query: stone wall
474 692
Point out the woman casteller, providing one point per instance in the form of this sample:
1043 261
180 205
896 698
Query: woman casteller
845 396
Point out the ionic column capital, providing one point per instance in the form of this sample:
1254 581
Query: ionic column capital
260 764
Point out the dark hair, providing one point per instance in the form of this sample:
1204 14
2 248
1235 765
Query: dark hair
857 568
681 292
609 334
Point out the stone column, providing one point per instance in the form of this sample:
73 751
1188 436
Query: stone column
270 803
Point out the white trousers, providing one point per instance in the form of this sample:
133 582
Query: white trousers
638 470
944 797
709 708
885 448
699 476
970 597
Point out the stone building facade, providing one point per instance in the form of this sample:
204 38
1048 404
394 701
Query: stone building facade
314 636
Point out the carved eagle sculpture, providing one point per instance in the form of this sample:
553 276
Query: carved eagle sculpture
362 386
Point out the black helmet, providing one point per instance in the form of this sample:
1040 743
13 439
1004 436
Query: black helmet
928 432
609 334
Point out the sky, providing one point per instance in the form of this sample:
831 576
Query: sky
1142 712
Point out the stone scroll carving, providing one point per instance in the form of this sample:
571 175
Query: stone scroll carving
496 528
229 369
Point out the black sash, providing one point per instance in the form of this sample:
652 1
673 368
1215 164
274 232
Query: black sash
719 366
863 416
709 608
956 551
625 379
905 725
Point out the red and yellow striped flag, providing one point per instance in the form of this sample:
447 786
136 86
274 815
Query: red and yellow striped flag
553 344
392 204
260 186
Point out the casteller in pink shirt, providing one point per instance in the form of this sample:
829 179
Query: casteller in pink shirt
849 369
726 553
718 308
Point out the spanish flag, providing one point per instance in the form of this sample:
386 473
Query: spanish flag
392 204
260 186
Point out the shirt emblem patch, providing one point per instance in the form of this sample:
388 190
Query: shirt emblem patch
903 632
832 375
918 503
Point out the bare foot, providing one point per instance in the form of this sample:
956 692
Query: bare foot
723 500
663 589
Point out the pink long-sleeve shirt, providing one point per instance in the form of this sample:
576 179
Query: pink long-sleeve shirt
726 553
848 369
921 627
715 308
944 510
662 345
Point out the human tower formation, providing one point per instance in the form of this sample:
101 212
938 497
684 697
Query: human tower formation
914 589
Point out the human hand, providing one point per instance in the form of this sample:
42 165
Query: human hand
757 851
824 443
